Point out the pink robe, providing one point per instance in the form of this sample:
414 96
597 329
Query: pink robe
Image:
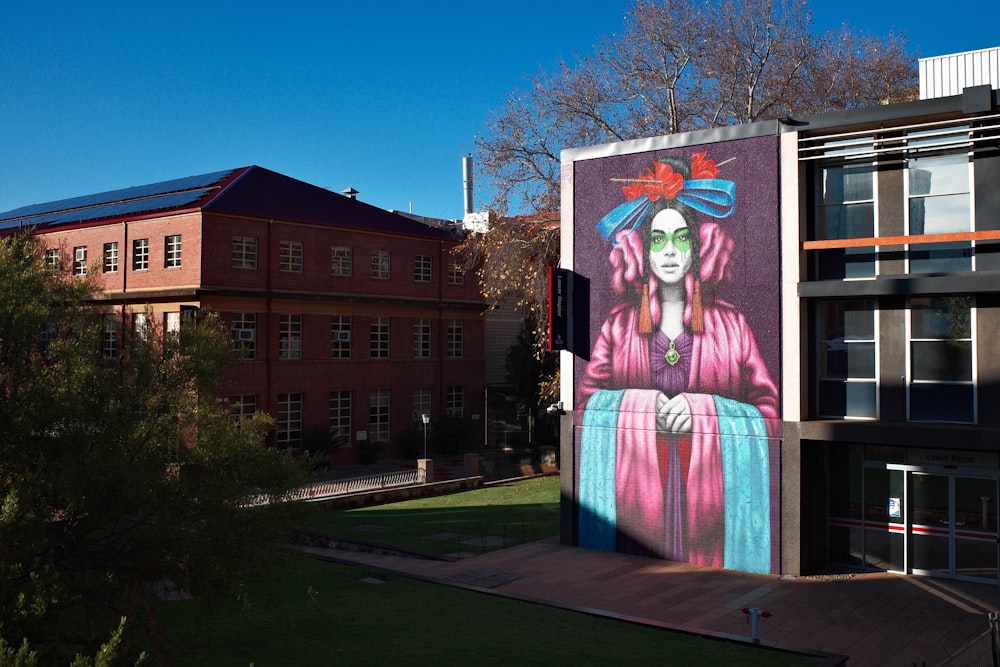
725 362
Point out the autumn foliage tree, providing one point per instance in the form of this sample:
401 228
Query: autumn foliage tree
675 66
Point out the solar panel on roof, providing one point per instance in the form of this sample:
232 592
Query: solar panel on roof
166 201
26 214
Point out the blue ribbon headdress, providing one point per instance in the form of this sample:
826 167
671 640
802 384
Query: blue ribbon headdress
712 196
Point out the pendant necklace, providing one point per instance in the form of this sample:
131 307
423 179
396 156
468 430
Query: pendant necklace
672 356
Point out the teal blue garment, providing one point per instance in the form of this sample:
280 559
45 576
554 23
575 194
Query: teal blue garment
597 506
744 443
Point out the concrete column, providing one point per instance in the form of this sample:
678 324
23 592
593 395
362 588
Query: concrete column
427 465
471 468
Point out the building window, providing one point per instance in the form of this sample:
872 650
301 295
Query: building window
456 272
242 407
172 251
172 322
380 264
289 426
421 403
341 261
290 337
140 325
290 256
140 254
846 210
378 415
109 337
938 202
454 401
52 259
340 417
846 360
340 337
244 332
380 338
455 338
941 363
422 338
111 257
80 260
422 268
244 252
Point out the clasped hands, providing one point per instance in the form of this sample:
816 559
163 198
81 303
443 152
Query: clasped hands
673 415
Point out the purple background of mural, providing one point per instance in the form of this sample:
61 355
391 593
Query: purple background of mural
755 288
753 226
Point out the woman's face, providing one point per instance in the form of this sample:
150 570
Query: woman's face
669 246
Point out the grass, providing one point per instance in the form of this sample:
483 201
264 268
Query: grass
317 613
325 614
461 523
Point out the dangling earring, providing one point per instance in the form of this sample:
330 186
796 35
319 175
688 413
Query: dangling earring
697 316
645 319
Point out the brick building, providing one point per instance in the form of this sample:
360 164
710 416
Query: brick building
345 318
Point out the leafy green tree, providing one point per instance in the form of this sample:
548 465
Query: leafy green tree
120 473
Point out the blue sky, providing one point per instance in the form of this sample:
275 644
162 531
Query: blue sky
385 97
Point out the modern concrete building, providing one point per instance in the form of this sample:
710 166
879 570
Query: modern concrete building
831 338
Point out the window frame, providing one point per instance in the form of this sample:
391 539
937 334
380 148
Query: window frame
244 252
852 384
290 257
245 346
172 251
456 272
340 344
290 337
455 346
422 403
454 401
422 338
110 257
924 386
379 338
339 409
423 268
341 261
381 265
80 260
140 254
288 420
379 414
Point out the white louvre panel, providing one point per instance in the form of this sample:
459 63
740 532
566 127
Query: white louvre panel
942 76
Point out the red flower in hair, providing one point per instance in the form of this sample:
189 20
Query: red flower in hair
663 182
702 168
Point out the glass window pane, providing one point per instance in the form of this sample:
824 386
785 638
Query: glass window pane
942 361
941 257
941 317
939 175
847 183
941 214
859 320
941 402
846 221
847 399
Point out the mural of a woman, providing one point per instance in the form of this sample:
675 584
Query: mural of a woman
676 401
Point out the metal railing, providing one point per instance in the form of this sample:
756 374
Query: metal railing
983 651
342 487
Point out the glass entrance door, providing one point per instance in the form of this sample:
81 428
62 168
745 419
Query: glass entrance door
952 526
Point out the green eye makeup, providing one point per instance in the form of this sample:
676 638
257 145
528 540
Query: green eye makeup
681 240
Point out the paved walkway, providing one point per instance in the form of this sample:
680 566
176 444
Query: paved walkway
875 619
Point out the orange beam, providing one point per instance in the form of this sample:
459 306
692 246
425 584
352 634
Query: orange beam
992 234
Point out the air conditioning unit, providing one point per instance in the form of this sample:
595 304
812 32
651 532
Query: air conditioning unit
344 336
246 334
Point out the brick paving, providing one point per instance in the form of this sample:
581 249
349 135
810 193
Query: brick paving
876 619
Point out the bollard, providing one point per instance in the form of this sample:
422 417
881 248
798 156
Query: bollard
754 614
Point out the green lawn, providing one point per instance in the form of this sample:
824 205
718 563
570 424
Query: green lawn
317 613
326 614
470 522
